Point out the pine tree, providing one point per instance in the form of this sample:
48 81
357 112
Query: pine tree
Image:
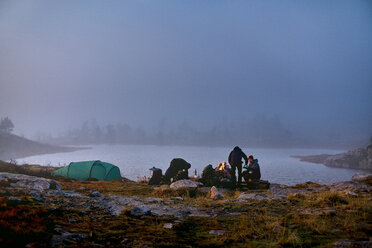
6 125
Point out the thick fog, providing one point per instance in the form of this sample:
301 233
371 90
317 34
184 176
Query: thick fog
302 67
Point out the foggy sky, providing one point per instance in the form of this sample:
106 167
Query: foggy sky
152 63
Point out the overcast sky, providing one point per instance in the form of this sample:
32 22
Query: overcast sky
143 62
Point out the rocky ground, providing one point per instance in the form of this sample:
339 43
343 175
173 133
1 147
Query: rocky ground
44 212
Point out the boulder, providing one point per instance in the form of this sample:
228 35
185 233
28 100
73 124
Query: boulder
140 210
29 182
95 194
185 184
217 232
168 226
255 196
215 194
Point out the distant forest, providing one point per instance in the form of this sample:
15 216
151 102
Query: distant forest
262 132
258 132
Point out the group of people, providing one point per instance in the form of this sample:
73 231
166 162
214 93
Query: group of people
252 172
222 175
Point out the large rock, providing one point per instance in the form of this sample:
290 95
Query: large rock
255 196
20 181
140 210
215 194
185 184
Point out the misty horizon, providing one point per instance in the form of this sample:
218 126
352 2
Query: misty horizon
212 65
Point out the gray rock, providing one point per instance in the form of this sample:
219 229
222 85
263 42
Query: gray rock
185 184
168 226
72 219
29 182
95 194
348 192
140 210
178 198
352 244
215 194
67 193
217 232
277 229
64 237
163 210
255 196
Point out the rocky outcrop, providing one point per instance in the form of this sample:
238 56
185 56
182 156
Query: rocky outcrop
354 159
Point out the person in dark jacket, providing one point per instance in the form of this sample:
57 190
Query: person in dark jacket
235 160
178 169
157 175
253 172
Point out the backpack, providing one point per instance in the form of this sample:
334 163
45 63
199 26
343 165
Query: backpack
208 177
157 175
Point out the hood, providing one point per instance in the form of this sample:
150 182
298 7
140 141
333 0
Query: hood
237 148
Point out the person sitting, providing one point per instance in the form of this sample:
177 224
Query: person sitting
223 171
178 170
253 173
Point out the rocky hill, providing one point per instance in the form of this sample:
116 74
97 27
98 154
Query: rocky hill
354 159
13 146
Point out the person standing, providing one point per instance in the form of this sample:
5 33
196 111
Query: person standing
235 161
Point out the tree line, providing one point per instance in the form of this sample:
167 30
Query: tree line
6 125
260 132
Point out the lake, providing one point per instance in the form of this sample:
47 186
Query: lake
134 161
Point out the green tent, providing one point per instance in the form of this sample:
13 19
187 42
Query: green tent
89 169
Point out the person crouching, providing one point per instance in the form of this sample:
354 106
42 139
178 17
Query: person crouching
252 172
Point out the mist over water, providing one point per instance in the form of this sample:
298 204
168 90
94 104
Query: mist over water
257 73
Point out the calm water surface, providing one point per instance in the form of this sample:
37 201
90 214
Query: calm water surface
134 161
